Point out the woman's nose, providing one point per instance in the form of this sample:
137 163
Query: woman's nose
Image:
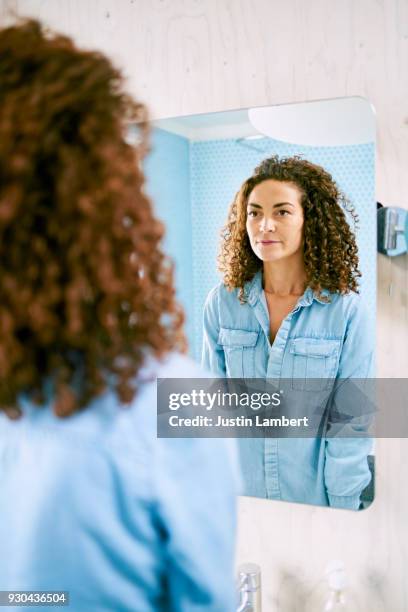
268 225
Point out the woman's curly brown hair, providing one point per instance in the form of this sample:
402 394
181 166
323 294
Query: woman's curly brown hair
86 294
330 249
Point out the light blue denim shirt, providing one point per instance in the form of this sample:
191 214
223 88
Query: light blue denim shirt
317 341
96 505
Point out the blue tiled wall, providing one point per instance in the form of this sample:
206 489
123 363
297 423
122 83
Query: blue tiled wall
167 170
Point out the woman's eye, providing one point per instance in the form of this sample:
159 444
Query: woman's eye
283 213
252 213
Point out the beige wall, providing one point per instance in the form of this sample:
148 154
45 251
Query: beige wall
185 57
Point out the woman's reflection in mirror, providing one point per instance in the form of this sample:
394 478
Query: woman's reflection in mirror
289 308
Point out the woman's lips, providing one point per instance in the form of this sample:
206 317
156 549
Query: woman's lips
269 241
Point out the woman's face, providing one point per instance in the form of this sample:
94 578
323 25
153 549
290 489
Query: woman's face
275 220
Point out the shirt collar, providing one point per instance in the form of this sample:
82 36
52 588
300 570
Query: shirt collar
253 291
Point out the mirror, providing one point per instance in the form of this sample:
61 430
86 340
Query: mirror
306 340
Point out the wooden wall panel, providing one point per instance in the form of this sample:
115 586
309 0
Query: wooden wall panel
190 56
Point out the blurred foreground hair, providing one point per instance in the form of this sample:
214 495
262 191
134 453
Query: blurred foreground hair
86 294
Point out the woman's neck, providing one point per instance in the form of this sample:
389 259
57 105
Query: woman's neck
284 278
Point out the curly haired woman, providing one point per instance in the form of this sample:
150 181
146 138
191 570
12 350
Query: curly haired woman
91 501
289 309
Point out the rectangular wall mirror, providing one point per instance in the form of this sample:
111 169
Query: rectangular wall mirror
195 169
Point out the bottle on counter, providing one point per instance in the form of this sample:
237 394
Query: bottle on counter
332 593
337 583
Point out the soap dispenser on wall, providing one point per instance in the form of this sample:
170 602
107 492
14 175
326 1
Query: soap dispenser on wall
392 230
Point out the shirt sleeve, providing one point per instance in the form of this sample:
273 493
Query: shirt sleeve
213 358
197 512
346 470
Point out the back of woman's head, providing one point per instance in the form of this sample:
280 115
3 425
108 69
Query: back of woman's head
85 292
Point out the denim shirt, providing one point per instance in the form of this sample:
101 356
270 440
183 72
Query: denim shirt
317 341
97 505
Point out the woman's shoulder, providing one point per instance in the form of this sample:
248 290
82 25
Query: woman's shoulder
350 308
179 366
348 302
106 417
221 294
172 365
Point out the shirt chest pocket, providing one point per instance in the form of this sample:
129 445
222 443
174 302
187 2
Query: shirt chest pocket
314 363
239 351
